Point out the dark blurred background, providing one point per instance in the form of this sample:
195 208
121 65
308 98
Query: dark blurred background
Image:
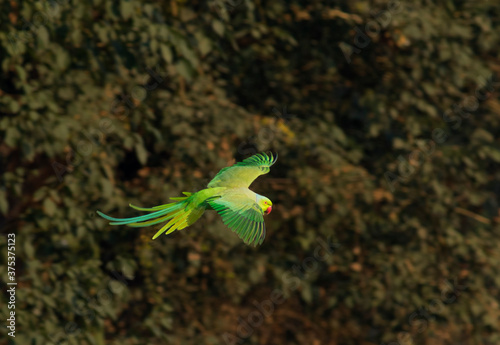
386 119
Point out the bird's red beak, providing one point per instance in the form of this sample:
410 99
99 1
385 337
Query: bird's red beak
269 209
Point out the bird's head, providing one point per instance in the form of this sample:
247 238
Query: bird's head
265 204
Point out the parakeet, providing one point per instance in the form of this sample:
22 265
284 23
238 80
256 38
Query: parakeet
227 193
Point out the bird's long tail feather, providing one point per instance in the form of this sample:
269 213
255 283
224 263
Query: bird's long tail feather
175 212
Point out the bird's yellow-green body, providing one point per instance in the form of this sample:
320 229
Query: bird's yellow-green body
240 208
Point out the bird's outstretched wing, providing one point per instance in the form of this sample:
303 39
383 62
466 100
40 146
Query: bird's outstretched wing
243 173
242 215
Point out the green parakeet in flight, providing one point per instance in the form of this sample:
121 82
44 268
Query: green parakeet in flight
241 209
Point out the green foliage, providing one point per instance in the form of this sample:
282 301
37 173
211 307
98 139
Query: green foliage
388 146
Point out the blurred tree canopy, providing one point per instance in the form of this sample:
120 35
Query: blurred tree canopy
385 116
